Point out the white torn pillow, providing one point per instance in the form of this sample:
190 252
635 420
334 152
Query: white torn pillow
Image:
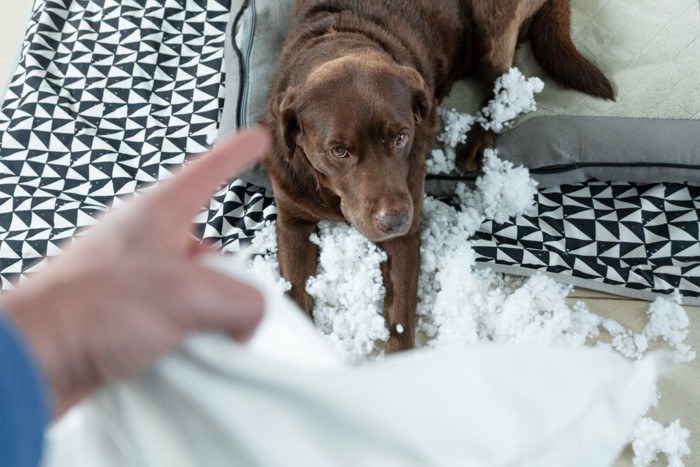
213 402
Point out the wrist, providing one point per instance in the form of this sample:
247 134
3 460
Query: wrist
34 310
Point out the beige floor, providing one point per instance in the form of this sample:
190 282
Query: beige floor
679 392
13 19
679 397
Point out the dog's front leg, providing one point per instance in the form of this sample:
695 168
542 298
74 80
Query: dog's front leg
400 273
297 256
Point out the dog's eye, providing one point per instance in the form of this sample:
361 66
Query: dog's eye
339 152
401 140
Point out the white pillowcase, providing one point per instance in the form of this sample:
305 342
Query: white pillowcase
285 400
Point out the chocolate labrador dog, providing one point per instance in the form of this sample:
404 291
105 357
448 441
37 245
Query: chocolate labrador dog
352 112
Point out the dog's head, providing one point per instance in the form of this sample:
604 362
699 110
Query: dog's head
356 121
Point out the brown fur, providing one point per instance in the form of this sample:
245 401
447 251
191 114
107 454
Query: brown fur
363 79
499 26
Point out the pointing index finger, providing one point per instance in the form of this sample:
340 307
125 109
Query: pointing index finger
189 190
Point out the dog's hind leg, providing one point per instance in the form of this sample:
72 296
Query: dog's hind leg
493 52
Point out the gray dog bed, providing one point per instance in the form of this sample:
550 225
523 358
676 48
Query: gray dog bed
93 115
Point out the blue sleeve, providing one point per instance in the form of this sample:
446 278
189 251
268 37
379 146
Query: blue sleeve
24 407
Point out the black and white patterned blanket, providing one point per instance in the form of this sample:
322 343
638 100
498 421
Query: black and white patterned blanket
624 238
111 94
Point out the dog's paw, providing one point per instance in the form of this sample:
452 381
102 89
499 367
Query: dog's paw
304 300
471 155
399 339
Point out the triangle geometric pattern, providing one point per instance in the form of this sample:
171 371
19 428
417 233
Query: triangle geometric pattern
110 95
235 214
639 236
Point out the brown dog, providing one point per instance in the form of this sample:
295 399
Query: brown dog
352 111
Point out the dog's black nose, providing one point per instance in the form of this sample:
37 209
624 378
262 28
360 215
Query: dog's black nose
391 221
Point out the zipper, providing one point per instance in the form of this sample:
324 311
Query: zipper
247 14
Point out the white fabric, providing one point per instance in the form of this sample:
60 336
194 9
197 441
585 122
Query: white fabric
284 400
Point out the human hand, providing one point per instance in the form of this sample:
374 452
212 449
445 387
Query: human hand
132 287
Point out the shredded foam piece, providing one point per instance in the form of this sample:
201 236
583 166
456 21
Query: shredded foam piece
503 191
668 321
459 303
455 127
514 95
264 264
348 292
212 136
650 439
441 161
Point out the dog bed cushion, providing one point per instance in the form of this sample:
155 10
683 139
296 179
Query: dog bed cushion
622 234
650 50
109 95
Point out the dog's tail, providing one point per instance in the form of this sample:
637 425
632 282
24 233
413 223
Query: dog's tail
550 36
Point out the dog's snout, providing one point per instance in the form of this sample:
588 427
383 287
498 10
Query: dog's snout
391 221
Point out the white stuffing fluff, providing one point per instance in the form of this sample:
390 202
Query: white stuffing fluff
264 263
503 191
459 303
650 439
441 161
348 291
455 127
212 136
514 95
668 321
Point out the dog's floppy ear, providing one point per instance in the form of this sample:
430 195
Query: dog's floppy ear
422 100
283 108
